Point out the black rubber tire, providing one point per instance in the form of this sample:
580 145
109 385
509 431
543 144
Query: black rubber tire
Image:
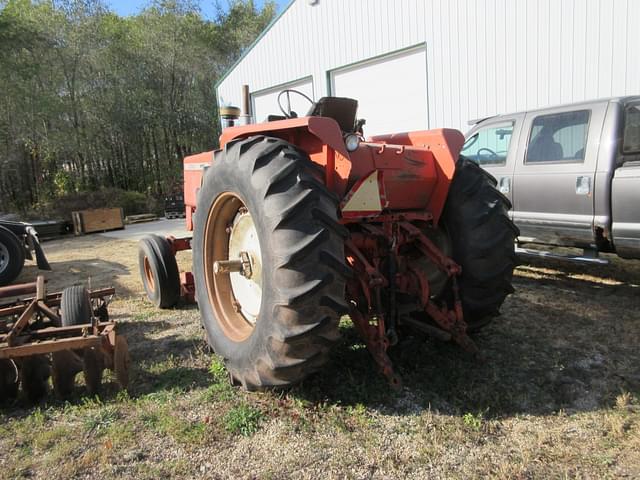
303 263
75 309
476 216
15 262
165 290
75 306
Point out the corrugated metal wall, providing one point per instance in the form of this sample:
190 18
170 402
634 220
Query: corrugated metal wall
483 56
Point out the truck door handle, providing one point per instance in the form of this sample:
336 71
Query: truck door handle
583 185
505 185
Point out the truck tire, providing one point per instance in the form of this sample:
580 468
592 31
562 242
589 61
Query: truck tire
75 309
276 324
476 216
159 271
11 256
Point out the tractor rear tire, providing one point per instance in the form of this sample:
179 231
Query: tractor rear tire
11 256
476 216
159 271
279 193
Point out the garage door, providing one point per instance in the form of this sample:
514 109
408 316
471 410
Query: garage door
265 102
391 91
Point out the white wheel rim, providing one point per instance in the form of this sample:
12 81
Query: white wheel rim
4 257
246 290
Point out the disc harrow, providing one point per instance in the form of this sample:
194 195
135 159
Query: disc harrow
57 336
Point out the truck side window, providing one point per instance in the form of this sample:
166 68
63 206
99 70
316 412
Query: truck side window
631 142
490 145
559 137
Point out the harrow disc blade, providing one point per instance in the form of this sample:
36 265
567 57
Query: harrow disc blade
121 361
92 366
9 380
64 367
34 376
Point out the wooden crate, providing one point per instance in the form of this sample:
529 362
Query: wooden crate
97 220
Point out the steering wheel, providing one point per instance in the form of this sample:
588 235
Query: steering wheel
493 154
288 112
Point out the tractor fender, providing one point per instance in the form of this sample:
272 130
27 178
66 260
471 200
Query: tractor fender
324 128
311 134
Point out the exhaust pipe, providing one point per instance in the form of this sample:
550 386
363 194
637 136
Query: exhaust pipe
246 105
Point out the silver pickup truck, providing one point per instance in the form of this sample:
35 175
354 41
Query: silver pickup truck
572 172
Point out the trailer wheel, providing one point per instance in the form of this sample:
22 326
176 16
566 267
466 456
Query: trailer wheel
482 235
268 262
75 309
11 256
75 306
159 271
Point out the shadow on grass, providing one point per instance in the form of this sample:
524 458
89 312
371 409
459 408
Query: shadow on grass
101 274
540 357
551 350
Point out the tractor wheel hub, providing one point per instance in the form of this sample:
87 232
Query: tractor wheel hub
245 262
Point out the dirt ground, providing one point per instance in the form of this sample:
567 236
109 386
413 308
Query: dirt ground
557 396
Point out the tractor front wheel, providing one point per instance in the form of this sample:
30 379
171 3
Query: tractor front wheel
268 262
476 216
159 271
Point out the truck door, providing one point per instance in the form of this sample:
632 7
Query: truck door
493 146
554 174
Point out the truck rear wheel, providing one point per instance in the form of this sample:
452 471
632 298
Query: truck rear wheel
11 256
476 216
268 261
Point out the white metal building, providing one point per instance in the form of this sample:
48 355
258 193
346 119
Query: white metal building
415 64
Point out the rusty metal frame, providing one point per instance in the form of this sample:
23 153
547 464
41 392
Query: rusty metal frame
17 340
383 237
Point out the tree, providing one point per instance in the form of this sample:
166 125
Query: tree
92 100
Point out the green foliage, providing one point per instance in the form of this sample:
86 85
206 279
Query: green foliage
472 421
91 100
243 419
131 202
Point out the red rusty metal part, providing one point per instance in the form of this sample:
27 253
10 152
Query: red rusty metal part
179 244
370 246
187 287
19 289
51 299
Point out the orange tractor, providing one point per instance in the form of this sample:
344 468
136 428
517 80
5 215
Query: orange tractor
299 221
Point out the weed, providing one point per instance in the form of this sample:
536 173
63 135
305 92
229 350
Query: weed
98 421
223 392
472 421
218 370
243 419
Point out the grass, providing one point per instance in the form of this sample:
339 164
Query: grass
558 396
243 419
